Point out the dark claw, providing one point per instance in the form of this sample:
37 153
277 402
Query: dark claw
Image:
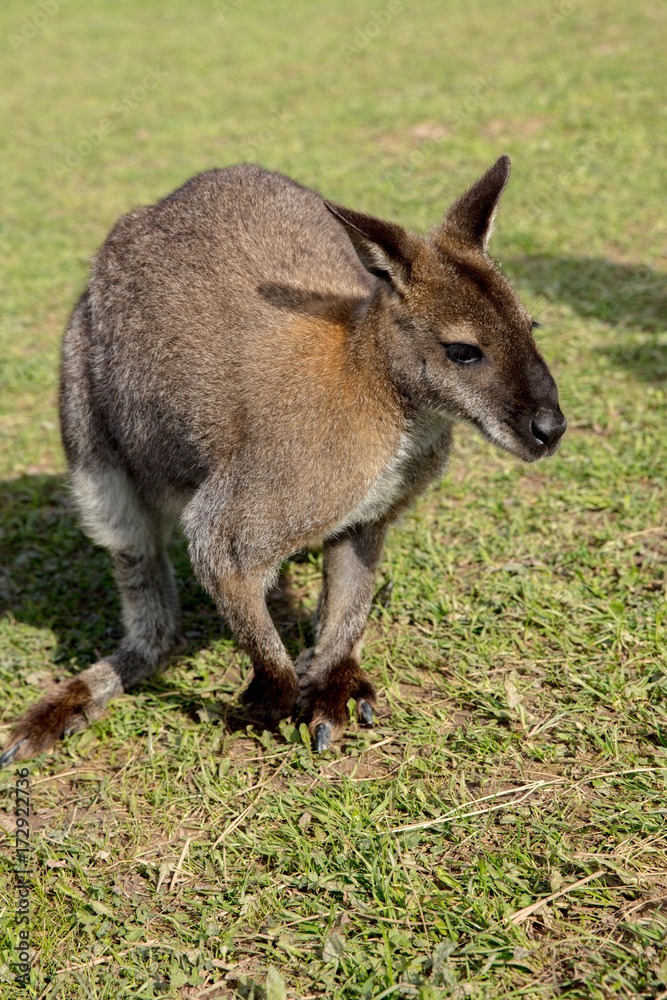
11 752
323 736
365 712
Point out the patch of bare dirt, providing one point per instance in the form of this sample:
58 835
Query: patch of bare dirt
498 127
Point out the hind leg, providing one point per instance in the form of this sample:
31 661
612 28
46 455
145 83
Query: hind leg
237 569
114 516
274 687
330 672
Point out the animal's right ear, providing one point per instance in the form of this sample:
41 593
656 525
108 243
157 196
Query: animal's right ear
471 217
384 248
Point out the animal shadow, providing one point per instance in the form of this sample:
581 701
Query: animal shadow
53 577
631 299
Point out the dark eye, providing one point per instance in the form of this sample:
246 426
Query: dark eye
463 353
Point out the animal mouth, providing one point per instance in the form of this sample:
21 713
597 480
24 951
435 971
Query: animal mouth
530 443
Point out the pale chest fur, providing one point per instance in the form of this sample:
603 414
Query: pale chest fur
421 455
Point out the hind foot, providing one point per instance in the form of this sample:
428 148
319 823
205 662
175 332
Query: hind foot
67 709
271 698
76 702
325 698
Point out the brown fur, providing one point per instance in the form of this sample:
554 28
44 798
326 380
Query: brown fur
274 369
60 712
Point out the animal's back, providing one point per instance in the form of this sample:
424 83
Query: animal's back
220 235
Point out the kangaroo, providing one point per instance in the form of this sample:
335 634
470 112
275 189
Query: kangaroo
274 369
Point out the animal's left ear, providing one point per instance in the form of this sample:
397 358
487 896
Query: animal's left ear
471 217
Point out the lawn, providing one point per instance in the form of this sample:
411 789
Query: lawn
502 831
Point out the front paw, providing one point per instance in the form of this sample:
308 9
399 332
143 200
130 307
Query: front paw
324 698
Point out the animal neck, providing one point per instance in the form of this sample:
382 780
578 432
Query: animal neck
372 344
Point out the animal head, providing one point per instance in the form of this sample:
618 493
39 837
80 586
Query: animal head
459 340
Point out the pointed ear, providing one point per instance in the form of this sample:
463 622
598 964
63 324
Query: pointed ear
384 248
471 217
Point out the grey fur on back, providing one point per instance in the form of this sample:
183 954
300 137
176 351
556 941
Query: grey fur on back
186 280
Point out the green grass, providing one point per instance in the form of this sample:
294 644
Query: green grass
522 737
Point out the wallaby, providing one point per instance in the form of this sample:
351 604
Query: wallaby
274 369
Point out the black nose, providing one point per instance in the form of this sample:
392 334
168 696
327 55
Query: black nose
548 426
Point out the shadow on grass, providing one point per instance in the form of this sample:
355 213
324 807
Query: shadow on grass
633 300
53 577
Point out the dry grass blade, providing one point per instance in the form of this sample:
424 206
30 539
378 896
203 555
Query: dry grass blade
521 915
457 814
235 822
178 869
214 986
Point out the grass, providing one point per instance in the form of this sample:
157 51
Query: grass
521 750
